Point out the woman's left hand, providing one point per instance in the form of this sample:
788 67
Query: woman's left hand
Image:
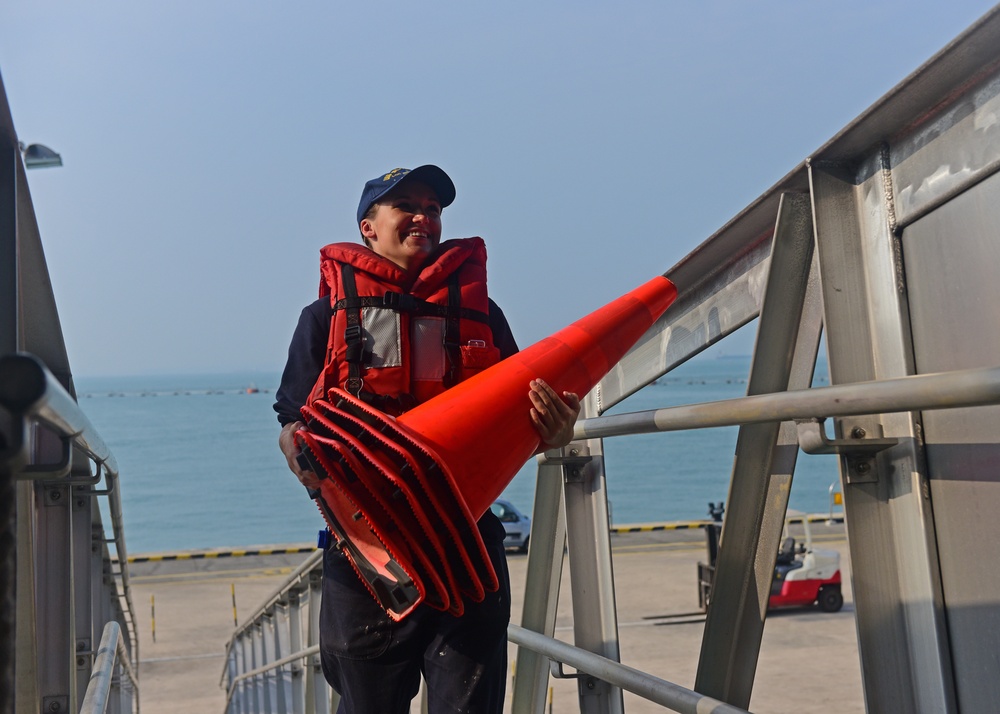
553 416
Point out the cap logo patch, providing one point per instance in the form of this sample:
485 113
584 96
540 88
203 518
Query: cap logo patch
394 173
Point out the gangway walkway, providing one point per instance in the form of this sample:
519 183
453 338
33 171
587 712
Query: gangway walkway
883 241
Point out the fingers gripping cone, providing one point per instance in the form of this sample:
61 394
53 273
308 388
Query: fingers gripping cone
469 442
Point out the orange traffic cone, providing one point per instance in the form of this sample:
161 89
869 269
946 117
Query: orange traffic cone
441 465
481 429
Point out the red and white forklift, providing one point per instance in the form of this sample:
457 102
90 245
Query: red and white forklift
803 575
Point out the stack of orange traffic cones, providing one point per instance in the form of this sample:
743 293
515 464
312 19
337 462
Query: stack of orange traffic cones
402 496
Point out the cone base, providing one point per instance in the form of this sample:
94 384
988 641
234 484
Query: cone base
392 586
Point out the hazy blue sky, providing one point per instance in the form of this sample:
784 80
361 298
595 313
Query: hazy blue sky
212 147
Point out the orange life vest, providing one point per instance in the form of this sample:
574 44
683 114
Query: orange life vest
396 340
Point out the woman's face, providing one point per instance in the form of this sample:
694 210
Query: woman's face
406 225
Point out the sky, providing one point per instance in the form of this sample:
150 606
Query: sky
211 147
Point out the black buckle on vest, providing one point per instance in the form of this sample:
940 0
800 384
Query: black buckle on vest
352 336
400 302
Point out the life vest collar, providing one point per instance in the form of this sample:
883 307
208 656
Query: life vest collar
441 263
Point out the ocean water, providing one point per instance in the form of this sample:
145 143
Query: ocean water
200 466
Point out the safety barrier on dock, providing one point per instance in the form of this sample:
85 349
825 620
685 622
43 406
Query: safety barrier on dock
210 554
686 525
292 550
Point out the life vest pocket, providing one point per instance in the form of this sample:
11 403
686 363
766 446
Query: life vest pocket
478 355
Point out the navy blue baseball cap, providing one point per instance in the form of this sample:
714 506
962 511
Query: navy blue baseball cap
427 174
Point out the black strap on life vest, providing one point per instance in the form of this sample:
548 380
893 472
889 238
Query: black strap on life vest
451 337
353 335
401 302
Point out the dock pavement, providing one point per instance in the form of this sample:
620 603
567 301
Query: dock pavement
808 660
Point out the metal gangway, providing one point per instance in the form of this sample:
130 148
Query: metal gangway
885 241
68 640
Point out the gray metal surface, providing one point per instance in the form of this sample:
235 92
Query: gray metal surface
901 629
958 245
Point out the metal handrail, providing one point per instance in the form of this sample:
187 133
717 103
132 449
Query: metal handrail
111 651
294 579
30 391
288 659
942 390
659 691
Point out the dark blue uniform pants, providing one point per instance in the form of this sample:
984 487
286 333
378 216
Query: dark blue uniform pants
375 664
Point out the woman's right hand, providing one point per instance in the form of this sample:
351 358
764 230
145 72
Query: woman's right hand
286 442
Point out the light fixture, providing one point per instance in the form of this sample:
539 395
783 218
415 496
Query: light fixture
39 156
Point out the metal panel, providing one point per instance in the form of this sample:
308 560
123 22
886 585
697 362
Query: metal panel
905 658
55 621
27 640
9 296
762 472
34 309
8 501
87 632
957 245
947 154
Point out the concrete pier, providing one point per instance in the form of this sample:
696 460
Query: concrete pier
808 661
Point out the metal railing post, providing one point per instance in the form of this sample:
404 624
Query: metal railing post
541 589
294 645
588 528
319 696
